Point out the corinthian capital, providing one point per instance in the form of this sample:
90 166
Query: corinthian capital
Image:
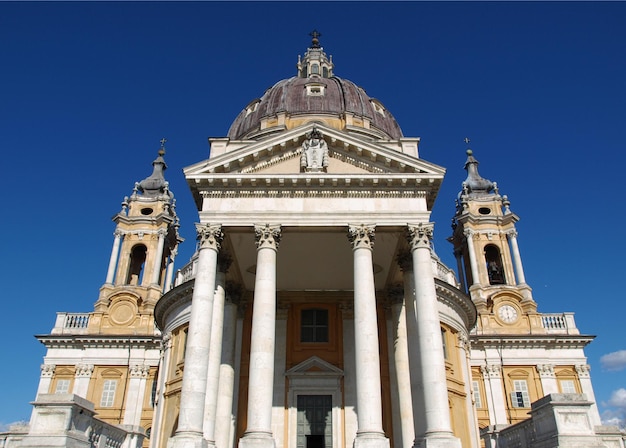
267 236
139 371
84 370
210 236
361 236
583 370
47 370
420 236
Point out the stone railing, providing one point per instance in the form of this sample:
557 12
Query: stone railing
187 272
443 272
555 420
71 323
69 420
562 323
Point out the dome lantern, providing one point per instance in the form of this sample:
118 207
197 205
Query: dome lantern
315 62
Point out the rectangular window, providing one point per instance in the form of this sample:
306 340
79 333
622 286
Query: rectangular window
63 387
314 325
476 391
443 342
567 386
108 393
520 398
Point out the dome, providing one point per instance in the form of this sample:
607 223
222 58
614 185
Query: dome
315 94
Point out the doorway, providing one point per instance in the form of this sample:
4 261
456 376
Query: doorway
314 421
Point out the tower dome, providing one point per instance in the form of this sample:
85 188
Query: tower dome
315 94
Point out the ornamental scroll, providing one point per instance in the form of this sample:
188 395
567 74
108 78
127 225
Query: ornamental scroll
314 153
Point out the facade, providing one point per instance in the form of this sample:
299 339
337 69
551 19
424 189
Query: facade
314 312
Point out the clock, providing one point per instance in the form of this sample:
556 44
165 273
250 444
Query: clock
507 313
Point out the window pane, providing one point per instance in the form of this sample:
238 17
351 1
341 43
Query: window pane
108 393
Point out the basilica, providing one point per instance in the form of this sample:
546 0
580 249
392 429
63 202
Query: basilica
314 312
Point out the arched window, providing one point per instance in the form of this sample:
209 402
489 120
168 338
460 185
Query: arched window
495 269
325 72
315 69
137 261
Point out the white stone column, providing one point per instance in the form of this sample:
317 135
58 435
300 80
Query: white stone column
461 269
466 374
45 380
191 416
438 430
548 379
135 394
81 380
169 276
215 351
163 374
158 257
114 255
517 259
469 237
258 433
584 376
494 390
225 414
370 432
405 260
401 362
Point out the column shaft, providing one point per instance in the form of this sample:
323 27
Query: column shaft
261 379
114 255
158 256
437 427
517 259
469 235
366 345
191 415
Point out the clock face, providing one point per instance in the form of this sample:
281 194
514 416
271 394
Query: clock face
507 313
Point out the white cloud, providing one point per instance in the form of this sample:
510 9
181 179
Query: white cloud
614 361
615 415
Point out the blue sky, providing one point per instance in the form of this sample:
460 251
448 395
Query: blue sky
87 90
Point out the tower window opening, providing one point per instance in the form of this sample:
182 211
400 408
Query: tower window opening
137 261
484 210
315 69
325 72
495 269
146 211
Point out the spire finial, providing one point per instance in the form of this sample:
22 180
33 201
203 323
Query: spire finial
315 41
162 148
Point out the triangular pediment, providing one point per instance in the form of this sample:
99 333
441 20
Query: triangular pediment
314 366
281 154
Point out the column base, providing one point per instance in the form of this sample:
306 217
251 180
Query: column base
187 440
371 440
438 441
257 440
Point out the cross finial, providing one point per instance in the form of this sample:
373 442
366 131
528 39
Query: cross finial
315 42
466 140
162 149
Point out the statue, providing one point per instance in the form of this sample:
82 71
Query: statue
314 153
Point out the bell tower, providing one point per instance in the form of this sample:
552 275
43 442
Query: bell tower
485 243
141 264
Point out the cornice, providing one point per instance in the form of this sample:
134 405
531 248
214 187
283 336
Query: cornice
173 298
457 300
530 341
100 341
